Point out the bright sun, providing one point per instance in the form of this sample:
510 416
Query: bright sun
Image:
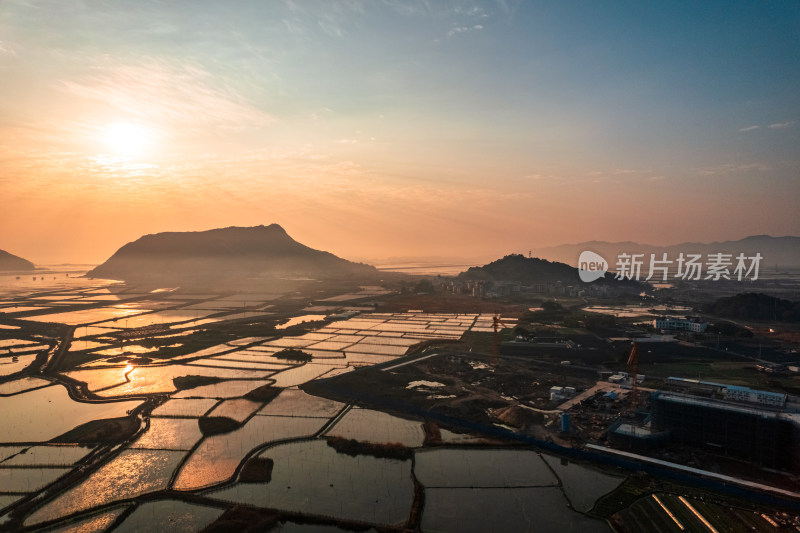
128 139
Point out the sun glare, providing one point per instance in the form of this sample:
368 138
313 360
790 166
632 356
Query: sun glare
128 139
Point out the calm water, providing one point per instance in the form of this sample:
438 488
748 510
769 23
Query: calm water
54 278
308 475
43 414
427 268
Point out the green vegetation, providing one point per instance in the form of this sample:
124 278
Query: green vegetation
553 311
216 425
598 321
487 343
630 504
292 354
433 434
257 470
516 267
244 519
107 430
758 306
728 329
551 306
535 271
647 515
387 450
190 382
264 394
424 286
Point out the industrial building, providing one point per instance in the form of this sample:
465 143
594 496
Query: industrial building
759 427
562 393
747 425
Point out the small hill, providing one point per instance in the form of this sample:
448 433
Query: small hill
522 269
222 256
12 262
532 270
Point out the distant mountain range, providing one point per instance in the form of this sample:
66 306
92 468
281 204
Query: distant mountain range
10 262
781 251
224 256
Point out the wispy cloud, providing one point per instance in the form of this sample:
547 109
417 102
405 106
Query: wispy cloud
464 29
330 26
773 126
169 93
5 49
733 168
472 11
331 18
618 175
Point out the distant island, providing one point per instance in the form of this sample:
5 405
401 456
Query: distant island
228 255
10 262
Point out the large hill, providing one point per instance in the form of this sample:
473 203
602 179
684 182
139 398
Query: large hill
228 255
781 251
10 262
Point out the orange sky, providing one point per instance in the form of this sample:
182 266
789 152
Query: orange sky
371 130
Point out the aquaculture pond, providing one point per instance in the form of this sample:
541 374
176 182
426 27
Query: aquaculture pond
163 429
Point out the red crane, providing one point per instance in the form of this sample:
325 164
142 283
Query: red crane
633 366
496 323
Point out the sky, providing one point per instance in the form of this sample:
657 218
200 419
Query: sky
380 129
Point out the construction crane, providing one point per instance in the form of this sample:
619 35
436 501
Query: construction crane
496 323
633 368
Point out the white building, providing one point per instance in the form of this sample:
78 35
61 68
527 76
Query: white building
681 324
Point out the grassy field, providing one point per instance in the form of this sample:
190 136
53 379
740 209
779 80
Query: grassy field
647 515
632 508
734 373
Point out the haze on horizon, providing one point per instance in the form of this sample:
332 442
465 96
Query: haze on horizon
388 128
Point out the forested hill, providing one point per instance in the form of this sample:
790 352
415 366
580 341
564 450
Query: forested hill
755 306
532 270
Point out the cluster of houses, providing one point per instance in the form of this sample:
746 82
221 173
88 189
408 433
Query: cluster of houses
500 289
